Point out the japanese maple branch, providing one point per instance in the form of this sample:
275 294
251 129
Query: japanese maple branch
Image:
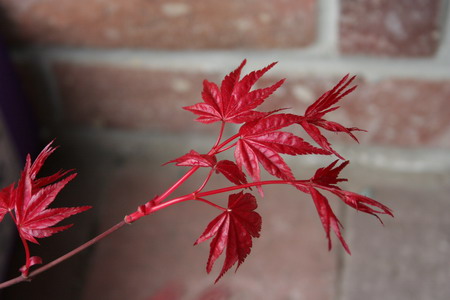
62 258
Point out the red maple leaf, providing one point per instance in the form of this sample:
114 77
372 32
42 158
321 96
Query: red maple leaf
232 230
32 215
326 179
29 200
328 176
262 143
233 102
313 117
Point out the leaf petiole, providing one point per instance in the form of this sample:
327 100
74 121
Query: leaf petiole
210 203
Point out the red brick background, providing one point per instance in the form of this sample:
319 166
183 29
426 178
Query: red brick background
108 79
161 24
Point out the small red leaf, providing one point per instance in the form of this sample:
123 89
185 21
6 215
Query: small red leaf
328 176
194 159
232 230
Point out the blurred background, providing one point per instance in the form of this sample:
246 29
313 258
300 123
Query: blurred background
108 78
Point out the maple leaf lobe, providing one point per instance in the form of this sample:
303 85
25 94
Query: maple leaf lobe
234 101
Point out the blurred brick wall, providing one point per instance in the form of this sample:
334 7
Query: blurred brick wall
132 64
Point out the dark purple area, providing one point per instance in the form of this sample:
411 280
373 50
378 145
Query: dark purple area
15 109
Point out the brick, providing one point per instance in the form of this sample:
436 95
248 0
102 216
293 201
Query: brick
160 24
404 112
408 257
404 28
127 98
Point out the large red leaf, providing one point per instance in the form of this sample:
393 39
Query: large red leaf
232 231
233 102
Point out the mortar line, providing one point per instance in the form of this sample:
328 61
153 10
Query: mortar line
291 62
444 46
328 27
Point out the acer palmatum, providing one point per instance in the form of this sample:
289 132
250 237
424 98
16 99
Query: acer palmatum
259 142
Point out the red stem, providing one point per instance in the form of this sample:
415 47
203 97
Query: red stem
211 203
222 127
180 181
27 257
189 173
225 149
247 185
226 142
205 182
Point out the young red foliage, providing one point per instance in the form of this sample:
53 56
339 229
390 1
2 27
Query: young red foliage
233 229
260 141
